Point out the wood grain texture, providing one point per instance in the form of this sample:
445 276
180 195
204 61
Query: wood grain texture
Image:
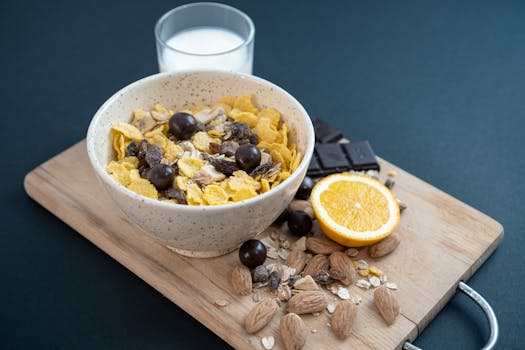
443 241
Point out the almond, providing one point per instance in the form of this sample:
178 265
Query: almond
342 268
385 246
242 280
343 319
261 315
316 264
307 302
302 205
386 304
297 260
322 246
293 331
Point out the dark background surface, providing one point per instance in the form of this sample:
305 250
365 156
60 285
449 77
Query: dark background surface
438 89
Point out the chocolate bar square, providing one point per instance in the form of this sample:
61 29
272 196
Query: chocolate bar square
314 164
331 156
325 133
361 155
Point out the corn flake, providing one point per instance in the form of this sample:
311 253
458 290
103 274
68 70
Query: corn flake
215 195
194 195
181 182
189 166
243 194
265 185
271 114
172 151
201 141
240 179
128 130
143 187
245 104
296 160
119 145
266 131
247 118
153 127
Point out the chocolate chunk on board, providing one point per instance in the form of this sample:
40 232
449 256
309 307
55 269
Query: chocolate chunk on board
328 159
361 155
331 155
325 133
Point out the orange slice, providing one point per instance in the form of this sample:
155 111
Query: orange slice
354 210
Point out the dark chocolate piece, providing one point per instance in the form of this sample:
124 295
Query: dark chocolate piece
361 156
325 133
314 164
331 155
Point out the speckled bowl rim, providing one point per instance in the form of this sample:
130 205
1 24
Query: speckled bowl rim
106 178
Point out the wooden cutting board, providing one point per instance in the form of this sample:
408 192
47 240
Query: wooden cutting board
443 241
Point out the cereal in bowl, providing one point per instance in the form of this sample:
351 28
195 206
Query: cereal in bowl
206 155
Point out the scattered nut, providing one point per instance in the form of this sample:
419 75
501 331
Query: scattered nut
352 252
293 331
316 264
241 280
307 302
297 260
283 253
341 268
306 283
386 304
384 247
322 246
300 244
261 315
302 205
343 319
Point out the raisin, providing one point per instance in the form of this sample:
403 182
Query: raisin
224 166
253 139
144 171
176 194
323 277
274 281
261 169
228 148
143 149
132 150
215 148
153 155
240 132
260 274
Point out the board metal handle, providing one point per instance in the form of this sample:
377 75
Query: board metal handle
487 310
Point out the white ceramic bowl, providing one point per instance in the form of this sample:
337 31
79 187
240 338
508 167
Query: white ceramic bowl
199 231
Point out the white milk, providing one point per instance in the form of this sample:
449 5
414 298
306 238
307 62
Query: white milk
201 47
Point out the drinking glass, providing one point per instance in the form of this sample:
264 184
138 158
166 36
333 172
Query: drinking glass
205 35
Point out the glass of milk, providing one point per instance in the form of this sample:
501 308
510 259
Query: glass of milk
205 35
